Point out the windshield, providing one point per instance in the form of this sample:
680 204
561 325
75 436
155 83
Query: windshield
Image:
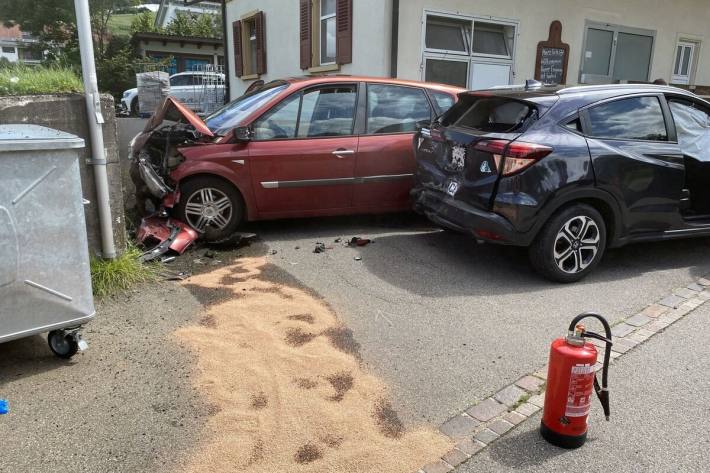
232 114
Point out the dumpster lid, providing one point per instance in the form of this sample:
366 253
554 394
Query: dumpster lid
34 137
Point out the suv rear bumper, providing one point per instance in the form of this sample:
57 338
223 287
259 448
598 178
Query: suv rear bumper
456 215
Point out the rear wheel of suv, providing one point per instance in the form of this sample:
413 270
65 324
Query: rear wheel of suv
211 206
570 245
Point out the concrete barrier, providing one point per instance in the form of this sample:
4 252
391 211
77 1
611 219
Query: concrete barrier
68 113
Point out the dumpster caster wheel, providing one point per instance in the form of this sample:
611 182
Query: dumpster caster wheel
63 344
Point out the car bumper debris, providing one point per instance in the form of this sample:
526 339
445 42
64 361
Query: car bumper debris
163 235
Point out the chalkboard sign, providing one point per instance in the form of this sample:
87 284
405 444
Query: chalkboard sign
552 66
552 57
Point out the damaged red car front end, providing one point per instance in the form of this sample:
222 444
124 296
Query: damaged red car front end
154 153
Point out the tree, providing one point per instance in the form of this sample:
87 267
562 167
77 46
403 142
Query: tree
144 23
184 24
101 12
54 21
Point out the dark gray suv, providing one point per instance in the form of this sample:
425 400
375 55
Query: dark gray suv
570 171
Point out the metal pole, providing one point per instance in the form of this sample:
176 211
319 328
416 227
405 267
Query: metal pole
225 53
95 120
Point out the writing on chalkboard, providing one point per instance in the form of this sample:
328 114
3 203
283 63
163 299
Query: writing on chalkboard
552 61
552 57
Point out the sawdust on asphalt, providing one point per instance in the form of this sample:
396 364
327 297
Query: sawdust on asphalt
289 390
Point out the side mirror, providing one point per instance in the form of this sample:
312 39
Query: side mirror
243 133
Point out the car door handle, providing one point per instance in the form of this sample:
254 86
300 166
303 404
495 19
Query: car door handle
341 153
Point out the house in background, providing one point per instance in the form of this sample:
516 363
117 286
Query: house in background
188 53
471 44
167 11
17 46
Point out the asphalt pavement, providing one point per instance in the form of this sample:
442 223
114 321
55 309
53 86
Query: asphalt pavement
446 321
660 415
127 404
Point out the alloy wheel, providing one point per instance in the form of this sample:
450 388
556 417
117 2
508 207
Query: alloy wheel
208 207
577 244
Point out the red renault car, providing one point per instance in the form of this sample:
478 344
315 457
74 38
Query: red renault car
301 147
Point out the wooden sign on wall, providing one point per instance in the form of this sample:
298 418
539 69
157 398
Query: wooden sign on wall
552 57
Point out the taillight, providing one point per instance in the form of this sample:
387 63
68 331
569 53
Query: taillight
515 156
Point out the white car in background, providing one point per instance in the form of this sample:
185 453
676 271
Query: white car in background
192 89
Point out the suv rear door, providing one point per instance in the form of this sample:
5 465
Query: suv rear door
635 157
461 154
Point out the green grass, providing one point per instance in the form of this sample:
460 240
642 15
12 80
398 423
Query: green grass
37 80
120 25
522 400
110 277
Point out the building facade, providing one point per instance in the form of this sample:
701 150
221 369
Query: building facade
472 44
168 10
186 53
17 46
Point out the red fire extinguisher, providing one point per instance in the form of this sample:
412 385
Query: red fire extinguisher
570 380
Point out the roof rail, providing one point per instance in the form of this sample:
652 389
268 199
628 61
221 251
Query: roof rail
583 88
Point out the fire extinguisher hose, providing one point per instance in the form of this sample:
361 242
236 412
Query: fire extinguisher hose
602 391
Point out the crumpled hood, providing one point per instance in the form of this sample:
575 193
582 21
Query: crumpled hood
171 109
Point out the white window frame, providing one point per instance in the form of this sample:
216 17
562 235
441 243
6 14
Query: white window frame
585 78
676 77
447 57
470 57
322 18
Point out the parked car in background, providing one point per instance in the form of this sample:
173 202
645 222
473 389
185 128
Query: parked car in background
569 172
190 88
301 147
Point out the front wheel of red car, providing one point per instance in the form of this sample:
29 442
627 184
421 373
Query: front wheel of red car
570 245
211 206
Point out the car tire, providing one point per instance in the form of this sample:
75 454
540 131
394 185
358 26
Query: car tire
570 245
210 205
135 111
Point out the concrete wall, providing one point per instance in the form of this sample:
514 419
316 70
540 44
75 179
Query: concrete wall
671 21
371 39
68 113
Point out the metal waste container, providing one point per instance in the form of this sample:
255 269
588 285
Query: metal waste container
45 281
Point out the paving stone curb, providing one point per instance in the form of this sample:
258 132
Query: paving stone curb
485 422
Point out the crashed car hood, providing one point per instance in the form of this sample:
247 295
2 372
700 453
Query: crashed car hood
171 109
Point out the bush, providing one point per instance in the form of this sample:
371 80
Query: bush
110 277
26 80
116 71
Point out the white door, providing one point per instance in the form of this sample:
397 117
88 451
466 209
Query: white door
485 75
683 64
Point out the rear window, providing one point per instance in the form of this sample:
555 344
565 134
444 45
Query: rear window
490 114
636 118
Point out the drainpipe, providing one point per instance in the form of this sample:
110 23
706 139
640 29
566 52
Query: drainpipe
394 43
95 120
227 96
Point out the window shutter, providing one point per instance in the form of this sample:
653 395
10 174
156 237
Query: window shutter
260 43
306 33
237 45
344 31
